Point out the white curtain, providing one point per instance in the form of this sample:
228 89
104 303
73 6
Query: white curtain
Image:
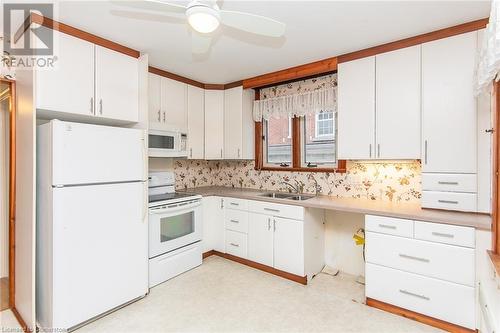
489 54
309 102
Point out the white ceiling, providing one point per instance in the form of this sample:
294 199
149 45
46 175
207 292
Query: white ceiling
315 30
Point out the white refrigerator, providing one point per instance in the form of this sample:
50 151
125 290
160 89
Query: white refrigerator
92 233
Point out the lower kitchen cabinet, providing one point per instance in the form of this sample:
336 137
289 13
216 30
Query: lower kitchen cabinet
213 224
260 239
289 245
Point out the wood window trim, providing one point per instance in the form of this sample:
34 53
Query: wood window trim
296 150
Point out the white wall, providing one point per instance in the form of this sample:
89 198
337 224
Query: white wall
340 250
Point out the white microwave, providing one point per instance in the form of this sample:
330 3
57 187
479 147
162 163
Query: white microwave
167 144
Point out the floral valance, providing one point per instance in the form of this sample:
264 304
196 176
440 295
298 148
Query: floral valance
298 104
489 54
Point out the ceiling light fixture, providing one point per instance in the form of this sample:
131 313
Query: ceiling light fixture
203 19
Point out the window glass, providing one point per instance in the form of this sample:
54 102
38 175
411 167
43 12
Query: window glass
278 141
319 139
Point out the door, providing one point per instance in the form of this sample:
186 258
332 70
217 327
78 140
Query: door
398 104
154 101
233 121
88 154
116 85
260 239
356 109
214 124
196 122
289 245
213 224
69 87
174 104
100 249
448 105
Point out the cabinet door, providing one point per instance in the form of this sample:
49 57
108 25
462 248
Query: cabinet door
116 85
69 87
196 122
260 238
174 104
248 126
213 224
214 124
154 100
398 104
233 120
448 105
356 109
289 245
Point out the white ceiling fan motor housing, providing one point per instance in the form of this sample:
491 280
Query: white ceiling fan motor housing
203 16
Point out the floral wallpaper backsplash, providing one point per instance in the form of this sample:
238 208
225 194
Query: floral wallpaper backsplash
392 181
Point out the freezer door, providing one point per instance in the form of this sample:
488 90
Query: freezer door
100 249
89 154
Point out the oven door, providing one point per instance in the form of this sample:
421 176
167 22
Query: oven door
174 226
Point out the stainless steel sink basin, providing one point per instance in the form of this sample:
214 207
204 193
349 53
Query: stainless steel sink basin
277 195
301 197
288 196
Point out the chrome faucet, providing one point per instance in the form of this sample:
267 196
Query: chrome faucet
298 188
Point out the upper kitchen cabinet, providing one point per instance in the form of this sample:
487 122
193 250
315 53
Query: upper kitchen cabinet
448 105
356 109
104 84
214 124
196 122
238 123
75 64
397 110
116 85
167 104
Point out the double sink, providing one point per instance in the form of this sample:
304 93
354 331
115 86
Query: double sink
287 196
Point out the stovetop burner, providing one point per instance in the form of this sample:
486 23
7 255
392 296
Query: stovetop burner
168 196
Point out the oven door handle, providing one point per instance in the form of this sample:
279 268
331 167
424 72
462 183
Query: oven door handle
174 208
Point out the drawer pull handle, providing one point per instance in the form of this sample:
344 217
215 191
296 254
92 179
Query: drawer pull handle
234 204
406 292
440 234
386 226
448 183
413 258
448 201
272 210
235 245
234 221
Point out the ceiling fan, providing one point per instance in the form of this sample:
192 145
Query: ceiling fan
205 16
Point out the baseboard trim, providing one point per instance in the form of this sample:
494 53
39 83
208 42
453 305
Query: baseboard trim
20 319
256 265
417 316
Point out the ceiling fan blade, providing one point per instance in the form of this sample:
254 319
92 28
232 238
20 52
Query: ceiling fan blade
143 16
200 44
256 24
155 5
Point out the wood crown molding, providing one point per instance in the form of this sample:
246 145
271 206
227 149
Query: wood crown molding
330 64
72 31
208 86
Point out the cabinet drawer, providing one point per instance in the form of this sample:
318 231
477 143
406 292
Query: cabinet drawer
236 220
442 233
447 182
236 243
291 212
234 203
389 225
447 301
466 202
446 262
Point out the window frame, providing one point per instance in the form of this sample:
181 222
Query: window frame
296 151
316 127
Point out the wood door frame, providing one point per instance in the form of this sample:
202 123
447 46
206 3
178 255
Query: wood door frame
12 200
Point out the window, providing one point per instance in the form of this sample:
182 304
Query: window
278 143
298 143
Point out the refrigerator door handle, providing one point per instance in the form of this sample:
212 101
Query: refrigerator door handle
145 201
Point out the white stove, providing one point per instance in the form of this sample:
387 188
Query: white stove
175 221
